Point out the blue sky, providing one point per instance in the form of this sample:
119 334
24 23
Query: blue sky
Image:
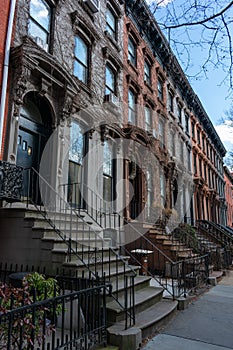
213 93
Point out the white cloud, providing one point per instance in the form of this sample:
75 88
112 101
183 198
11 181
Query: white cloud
225 132
162 3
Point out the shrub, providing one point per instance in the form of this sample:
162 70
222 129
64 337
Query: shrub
26 326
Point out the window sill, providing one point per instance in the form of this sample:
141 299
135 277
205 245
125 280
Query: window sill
112 40
83 86
149 86
180 125
172 115
132 66
161 102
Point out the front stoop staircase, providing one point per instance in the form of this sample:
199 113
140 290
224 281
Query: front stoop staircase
170 245
79 248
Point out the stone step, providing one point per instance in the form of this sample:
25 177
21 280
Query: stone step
62 247
140 282
148 322
178 248
144 298
54 235
109 274
184 255
65 226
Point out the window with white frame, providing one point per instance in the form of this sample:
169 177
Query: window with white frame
111 23
110 80
39 23
132 51
81 62
131 107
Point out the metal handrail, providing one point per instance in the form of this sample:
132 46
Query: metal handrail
168 263
72 243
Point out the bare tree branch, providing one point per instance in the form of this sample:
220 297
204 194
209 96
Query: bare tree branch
186 24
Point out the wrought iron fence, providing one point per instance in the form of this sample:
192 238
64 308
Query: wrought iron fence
71 320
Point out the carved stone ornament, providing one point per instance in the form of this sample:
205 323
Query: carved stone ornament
11 181
20 88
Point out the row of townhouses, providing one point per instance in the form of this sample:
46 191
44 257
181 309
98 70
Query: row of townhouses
104 145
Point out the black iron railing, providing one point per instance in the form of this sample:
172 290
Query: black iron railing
215 231
167 272
85 242
176 277
70 320
217 241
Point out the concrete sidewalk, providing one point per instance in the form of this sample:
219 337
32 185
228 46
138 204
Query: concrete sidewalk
207 324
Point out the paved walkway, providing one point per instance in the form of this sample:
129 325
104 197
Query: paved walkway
207 324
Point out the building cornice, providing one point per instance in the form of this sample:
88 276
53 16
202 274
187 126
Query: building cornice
145 21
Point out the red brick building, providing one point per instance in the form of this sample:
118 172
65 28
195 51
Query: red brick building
6 30
165 115
228 177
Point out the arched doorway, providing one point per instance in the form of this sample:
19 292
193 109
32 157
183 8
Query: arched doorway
35 127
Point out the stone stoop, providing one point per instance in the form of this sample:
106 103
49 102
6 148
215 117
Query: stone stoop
45 245
148 321
170 246
151 313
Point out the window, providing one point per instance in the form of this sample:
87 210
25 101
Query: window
110 81
198 137
81 63
187 123
107 172
181 151
76 144
179 114
193 130
131 107
205 174
207 149
76 153
209 176
170 101
162 189
148 119
189 159
200 167
39 22
147 72
111 23
173 144
149 191
203 143
161 133
160 89
132 51
195 163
